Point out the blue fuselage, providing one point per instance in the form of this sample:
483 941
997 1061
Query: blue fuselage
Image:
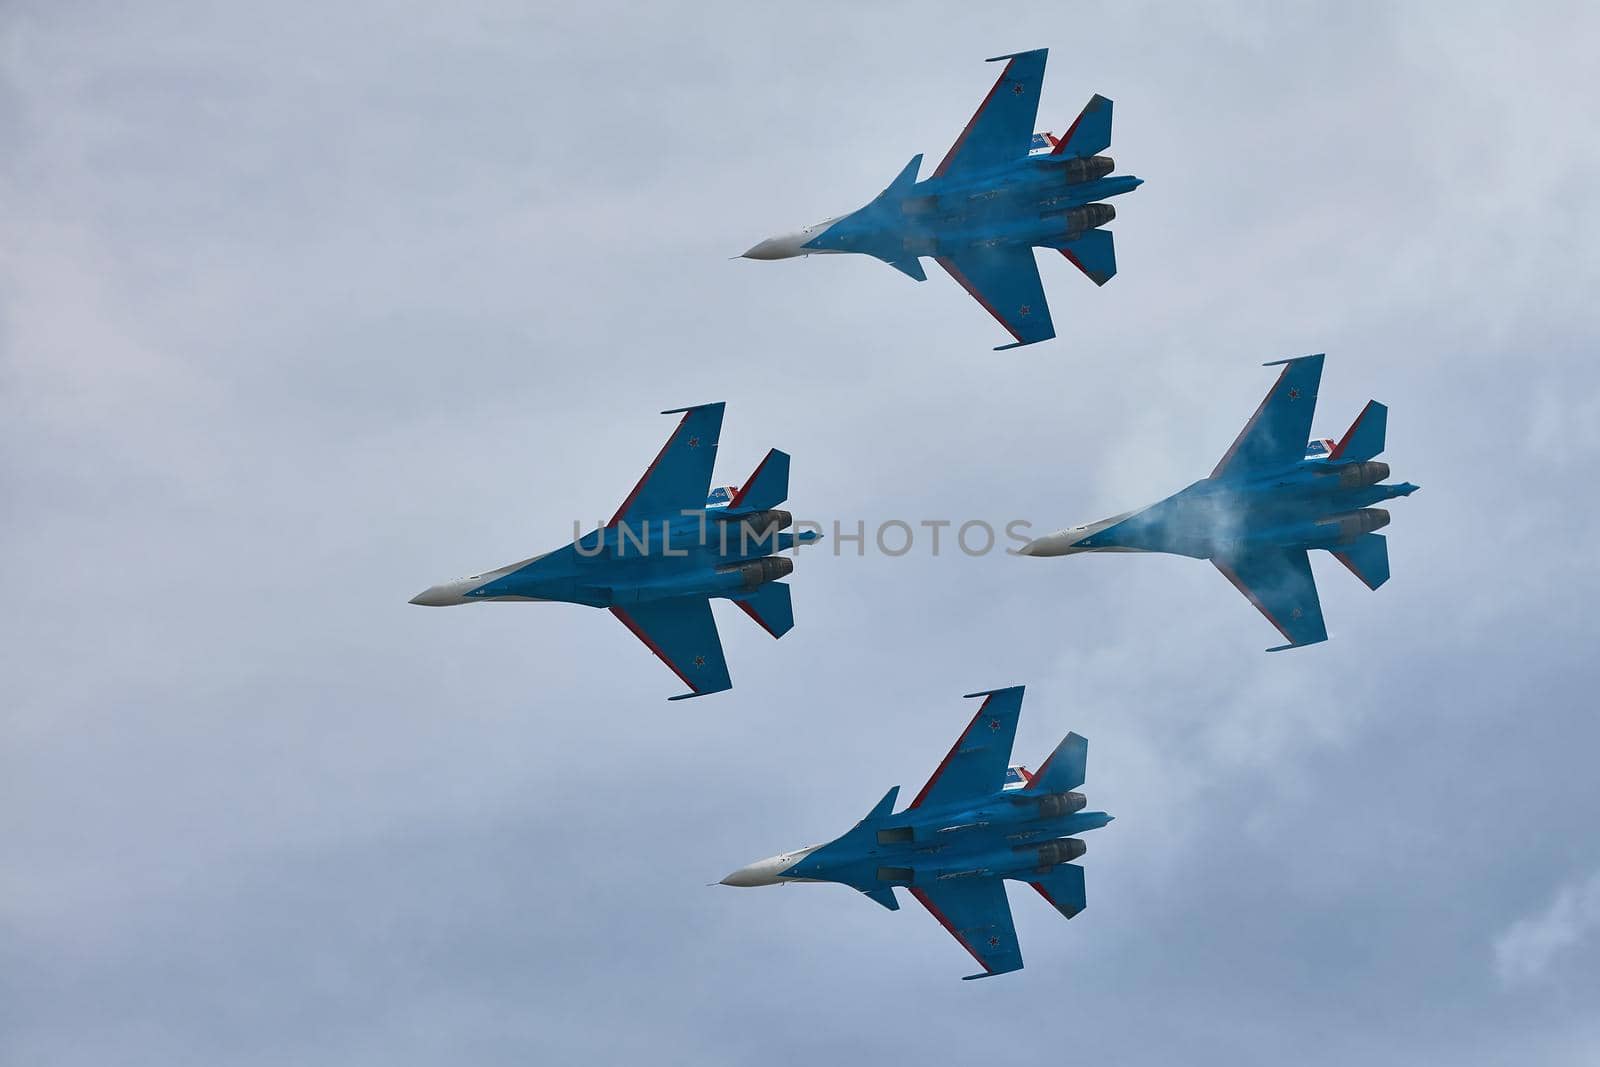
710 554
1033 201
1010 835
1314 504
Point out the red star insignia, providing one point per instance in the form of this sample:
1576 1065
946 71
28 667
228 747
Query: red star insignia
994 724
1025 309
1018 88
1294 392
994 942
699 661
1296 613
694 442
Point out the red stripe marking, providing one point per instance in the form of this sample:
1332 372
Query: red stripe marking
738 498
948 756
922 898
1066 138
1027 778
961 279
950 156
1227 572
1043 768
1237 441
638 631
1338 449
648 471
744 606
1076 262
1043 892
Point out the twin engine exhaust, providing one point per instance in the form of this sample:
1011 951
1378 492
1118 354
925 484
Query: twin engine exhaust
760 571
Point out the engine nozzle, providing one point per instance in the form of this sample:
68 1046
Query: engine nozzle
760 571
1058 804
1064 850
1352 524
1356 475
1078 171
768 521
1088 217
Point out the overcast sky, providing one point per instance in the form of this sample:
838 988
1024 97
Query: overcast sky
301 312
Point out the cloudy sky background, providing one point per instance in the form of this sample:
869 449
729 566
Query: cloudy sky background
303 311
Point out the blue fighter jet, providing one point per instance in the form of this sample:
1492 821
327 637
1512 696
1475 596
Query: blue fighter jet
989 203
1271 499
977 822
671 546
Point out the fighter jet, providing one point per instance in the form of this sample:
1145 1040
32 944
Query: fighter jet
1271 499
670 548
976 823
992 199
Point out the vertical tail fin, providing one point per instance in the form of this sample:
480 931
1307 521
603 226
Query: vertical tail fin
1090 132
1368 559
1364 438
767 486
1065 769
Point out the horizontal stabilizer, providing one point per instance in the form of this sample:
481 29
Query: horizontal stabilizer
884 895
1065 769
1364 438
1094 254
1063 888
767 486
769 606
1368 559
1090 132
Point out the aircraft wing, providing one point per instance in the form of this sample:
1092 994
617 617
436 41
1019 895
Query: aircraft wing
976 764
679 478
1278 582
1005 280
977 914
1277 433
683 635
1002 128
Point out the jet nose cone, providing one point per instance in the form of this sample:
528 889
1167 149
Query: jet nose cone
767 249
785 246
440 596
763 872
1056 544
753 875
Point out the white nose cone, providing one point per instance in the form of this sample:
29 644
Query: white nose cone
1056 544
767 871
446 594
785 246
